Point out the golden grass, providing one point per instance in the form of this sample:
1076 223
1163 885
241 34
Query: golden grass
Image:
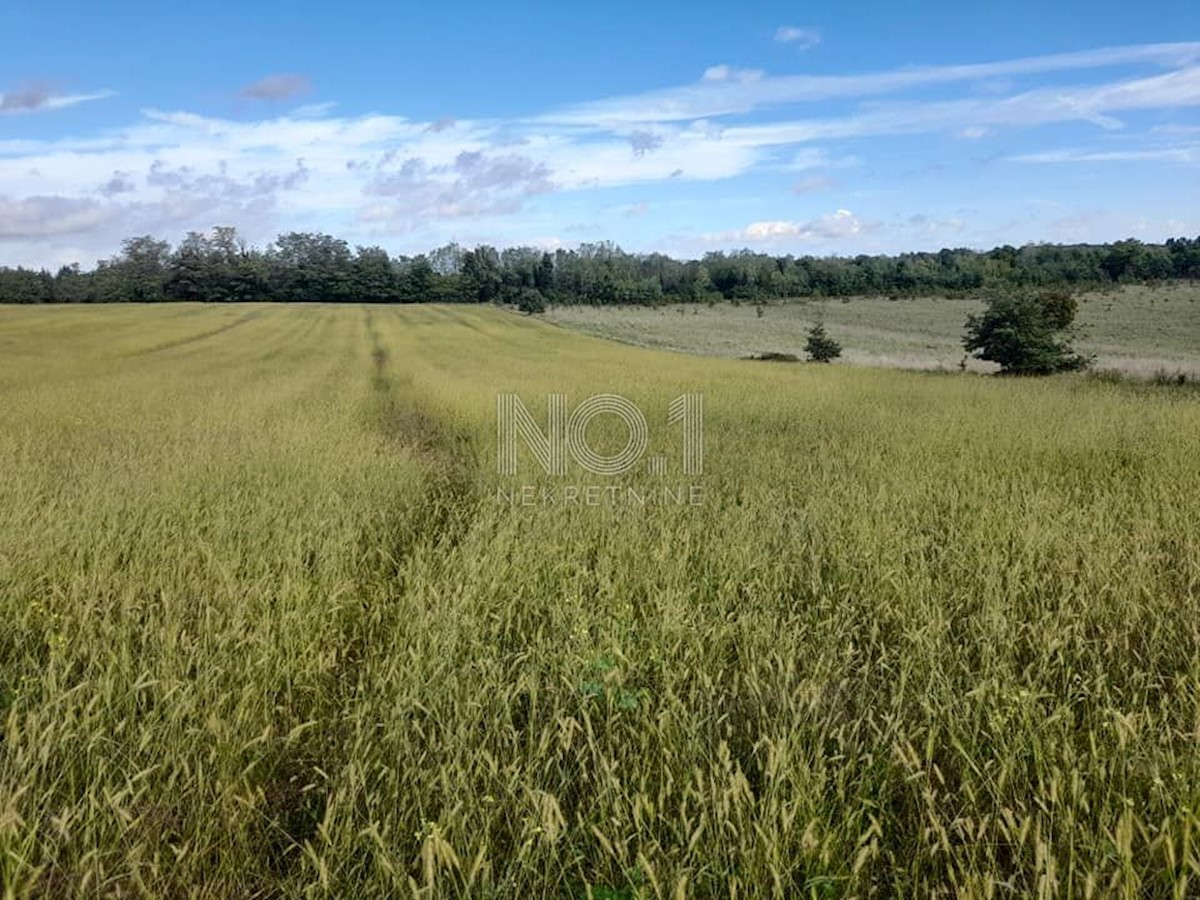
270 633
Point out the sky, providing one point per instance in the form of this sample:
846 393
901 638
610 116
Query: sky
668 127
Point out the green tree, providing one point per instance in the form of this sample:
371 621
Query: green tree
543 275
140 270
192 269
374 278
417 282
25 286
220 266
481 274
1021 332
820 347
531 301
71 285
312 267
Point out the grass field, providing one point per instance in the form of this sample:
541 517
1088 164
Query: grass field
1136 330
271 628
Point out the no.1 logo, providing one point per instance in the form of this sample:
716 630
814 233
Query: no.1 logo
566 434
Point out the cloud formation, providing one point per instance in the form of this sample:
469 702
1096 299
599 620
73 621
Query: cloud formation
725 72
643 141
1182 154
282 86
120 183
726 97
49 216
26 97
839 224
37 96
474 184
372 177
812 185
802 38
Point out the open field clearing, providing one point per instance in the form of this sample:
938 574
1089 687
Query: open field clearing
1136 330
274 626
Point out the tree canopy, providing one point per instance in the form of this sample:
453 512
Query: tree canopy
1022 332
299 266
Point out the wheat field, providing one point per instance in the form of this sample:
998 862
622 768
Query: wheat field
275 625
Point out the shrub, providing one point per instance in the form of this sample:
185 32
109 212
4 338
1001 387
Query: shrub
820 346
1164 377
531 301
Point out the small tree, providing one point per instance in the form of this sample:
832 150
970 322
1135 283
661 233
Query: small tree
820 346
531 301
1021 333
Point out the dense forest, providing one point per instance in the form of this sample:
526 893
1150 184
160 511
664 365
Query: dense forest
221 267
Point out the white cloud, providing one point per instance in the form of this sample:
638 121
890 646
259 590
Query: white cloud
364 177
836 225
724 72
711 97
643 142
49 216
1188 154
812 185
934 228
803 38
313 110
475 184
816 158
1041 106
377 175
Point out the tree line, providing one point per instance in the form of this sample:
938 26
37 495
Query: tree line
221 267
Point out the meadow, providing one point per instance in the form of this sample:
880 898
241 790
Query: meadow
1136 330
274 626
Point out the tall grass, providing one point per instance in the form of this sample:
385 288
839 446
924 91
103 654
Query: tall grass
1132 329
270 632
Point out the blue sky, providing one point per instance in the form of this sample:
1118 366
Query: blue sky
682 128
